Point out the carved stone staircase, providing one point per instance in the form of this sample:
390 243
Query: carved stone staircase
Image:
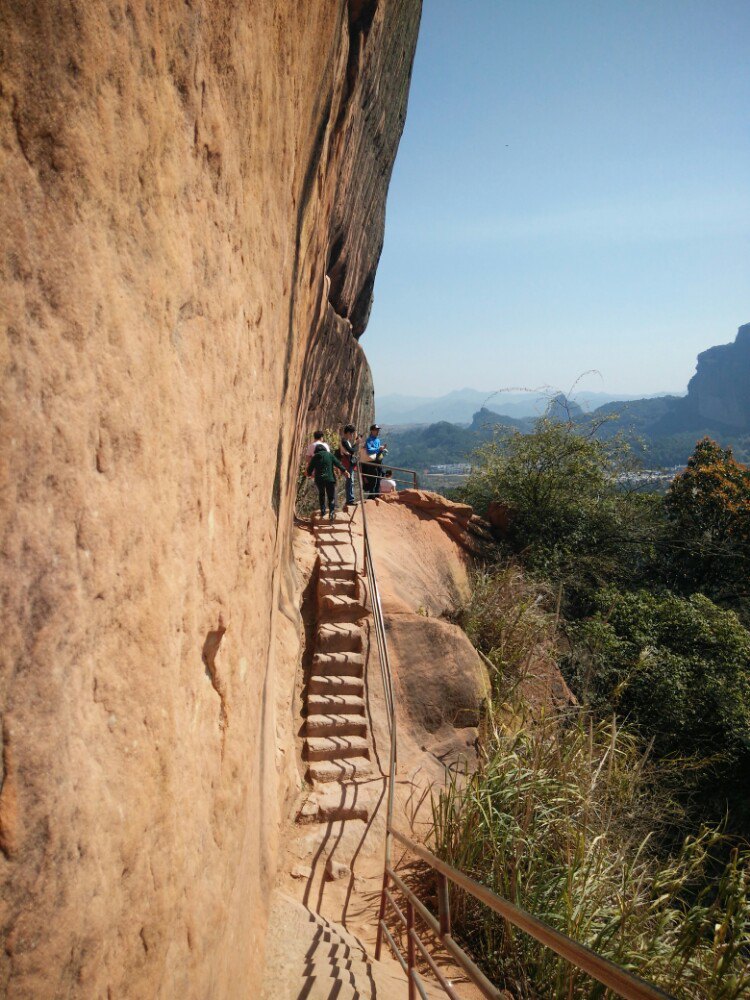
337 745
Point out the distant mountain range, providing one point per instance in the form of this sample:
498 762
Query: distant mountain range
459 406
717 403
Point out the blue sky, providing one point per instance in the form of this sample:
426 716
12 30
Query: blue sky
572 191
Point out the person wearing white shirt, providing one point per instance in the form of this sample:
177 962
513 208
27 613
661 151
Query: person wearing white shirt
317 439
388 483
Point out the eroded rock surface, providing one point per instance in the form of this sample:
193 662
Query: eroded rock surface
191 210
423 568
458 519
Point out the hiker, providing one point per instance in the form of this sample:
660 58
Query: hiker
374 450
348 456
388 483
317 439
321 465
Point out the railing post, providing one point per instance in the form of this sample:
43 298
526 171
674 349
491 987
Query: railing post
410 949
444 905
381 918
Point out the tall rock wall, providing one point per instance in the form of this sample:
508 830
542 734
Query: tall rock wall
191 212
719 392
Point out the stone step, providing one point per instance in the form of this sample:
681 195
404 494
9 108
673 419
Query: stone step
344 664
344 945
339 770
337 586
336 946
329 684
328 530
325 524
339 704
336 725
341 604
321 988
333 950
335 747
342 574
348 971
337 967
336 556
340 637
334 802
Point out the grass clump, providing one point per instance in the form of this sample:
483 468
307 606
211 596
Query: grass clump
564 819
509 620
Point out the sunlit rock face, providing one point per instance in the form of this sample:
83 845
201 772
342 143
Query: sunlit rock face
719 392
191 213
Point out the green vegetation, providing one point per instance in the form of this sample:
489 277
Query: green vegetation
570 519
708 512
622 823
435 444
652 589
564 823
678 668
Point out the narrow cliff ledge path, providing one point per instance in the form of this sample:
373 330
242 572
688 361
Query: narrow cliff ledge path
339 823
321 939
335 844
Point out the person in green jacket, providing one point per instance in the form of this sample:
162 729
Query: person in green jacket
321 465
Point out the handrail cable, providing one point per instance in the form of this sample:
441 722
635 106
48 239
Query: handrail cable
385 669
625 984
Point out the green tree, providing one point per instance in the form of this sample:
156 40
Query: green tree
679 669
569 514
708 512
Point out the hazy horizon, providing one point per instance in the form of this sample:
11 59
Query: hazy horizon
533 391
570 194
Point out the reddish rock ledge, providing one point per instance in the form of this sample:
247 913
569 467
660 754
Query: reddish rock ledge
458 519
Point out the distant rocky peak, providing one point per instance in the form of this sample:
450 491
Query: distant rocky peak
562 408
719 392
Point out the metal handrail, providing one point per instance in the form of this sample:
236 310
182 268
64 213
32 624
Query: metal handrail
385 670
410 479
410 472
624 983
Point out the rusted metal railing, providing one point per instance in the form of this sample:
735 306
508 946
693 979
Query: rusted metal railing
622 982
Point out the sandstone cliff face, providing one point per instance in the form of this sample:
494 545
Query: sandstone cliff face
191 209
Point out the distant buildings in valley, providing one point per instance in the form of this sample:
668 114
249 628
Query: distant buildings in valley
657 479
451 469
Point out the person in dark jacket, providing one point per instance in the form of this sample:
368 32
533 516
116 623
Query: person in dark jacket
348 453
321 465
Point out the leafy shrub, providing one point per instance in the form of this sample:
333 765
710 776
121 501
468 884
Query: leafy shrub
570 520
560 821
678 668
708 511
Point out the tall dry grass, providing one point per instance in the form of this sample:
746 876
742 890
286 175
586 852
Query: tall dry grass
563 821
